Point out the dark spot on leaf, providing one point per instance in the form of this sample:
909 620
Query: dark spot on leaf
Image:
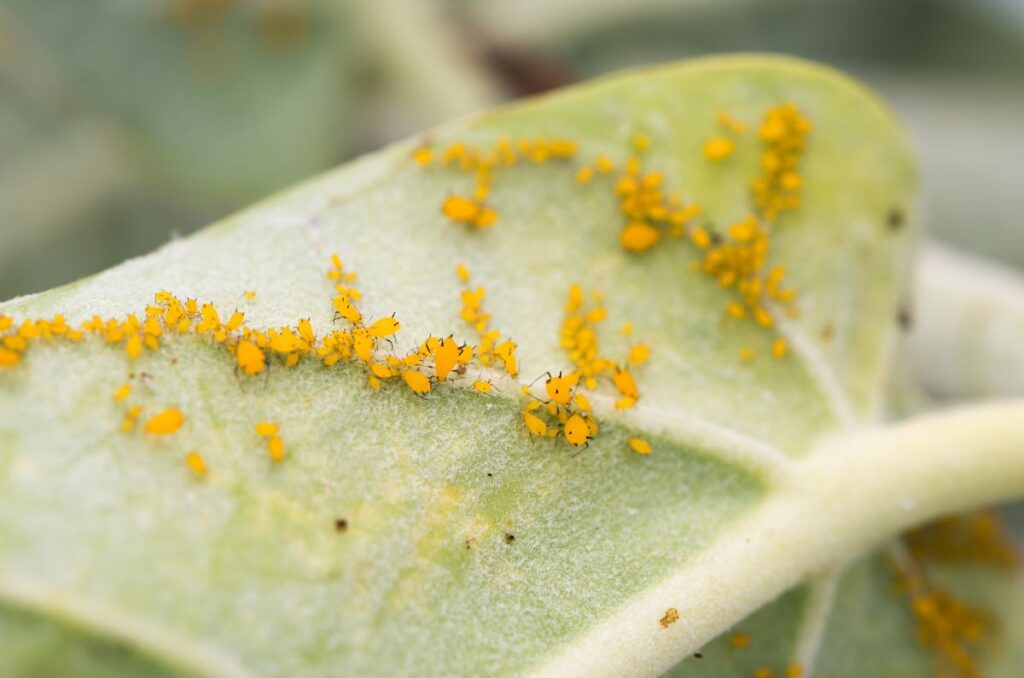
895 219
340 525
827 333
509 537
490 475
905 318
698 655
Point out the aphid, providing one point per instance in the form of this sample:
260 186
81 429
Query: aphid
384 327
482 386
582 402
763 672
576 430
445 358
739 640
346 310
718 148
166 422
123 392
462 272
275 448
195 463
459 208
794 671
779 348
584 174
249 295
626 385
423 156
641 142
640 446
250 357
363 344
639 354
747 354
374 382
306 331
9 358
534 424
560 388
417 382
128 423
266 429
639 236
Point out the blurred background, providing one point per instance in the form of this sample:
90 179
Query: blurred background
124 123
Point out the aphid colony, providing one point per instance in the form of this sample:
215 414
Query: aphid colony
736 257
484 163
952 629
436 360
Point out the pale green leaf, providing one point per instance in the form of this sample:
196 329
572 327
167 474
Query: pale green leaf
110 549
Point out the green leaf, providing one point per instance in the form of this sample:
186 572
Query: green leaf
469 549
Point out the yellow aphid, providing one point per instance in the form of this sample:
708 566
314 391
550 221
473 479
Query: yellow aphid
128 423
482 386
462 272
423 156
445 358
763 317
763 672
133 347
639 445
250 357
381 370
417 382
626 385
641 142
266 429
584 174
576 430
165 422
639 354
582 402
275 447
719 148
363 344
374 382
604 164
195 463
465 354
626 329
794 671
534 424
459 208
560 388
249 295
306 331
747 354
736 310
700 237
639 236
123 392
346 310
485 218
9 358
625 403
739 640
384 327
779 348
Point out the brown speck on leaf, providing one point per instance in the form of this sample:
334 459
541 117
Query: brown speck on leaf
509 537
895 219
340 525
670 617
827 333
698 655
905 318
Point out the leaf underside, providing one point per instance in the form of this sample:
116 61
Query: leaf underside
469 549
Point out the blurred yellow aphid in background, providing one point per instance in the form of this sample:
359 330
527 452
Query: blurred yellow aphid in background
166 422
195 463
640 446
639 354
123 392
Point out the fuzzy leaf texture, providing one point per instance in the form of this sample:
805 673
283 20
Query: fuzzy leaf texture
467 548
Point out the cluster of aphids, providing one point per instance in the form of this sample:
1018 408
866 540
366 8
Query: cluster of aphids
736 257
